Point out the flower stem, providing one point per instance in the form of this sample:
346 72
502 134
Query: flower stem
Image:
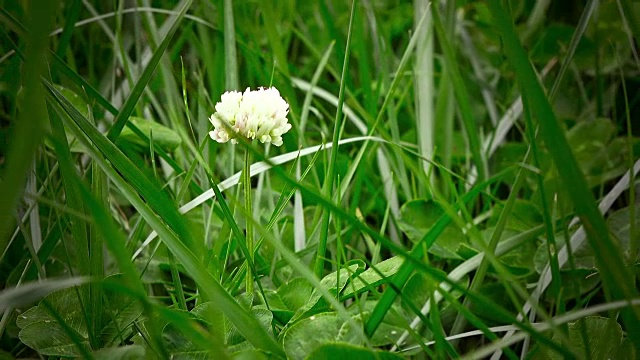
246 181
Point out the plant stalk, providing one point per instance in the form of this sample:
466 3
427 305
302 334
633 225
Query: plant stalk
246 181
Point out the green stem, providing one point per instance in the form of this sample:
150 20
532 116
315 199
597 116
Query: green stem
246 181
330 176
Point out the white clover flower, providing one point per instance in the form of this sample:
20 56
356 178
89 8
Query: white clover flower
260 114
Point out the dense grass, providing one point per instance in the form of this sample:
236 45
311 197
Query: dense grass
460 180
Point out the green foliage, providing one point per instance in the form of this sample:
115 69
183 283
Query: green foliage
470 176
593 337
345 351
418 216
43 332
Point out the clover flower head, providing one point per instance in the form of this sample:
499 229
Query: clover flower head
259 114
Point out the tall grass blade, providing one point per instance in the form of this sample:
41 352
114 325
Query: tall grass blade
331 171
130 104
30 125
230 57
462 97
424 84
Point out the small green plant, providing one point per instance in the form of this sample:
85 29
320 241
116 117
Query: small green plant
444 179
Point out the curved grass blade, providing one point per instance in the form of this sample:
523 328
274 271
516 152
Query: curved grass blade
69 25
28 293
130 104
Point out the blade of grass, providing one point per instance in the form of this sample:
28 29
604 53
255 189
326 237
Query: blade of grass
34 217
615 275
478 278
331 171
61 66
30 125
577 36
560 320
564 319
33 291
130 104
298 219
156 198
100 192
631 16
424 86
230 57
462 97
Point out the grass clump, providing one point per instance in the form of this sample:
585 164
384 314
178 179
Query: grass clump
431 180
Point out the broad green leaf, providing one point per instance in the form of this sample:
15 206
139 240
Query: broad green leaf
416 219
163 136
251 354
304 336
127 352
347 351
521 259
599 153
180 346
524 215
594 337
204 321
392 326
583 257
508 155
575 283
81 105
41 331
209 315
626 351
619 223
264 317
370 278
580 280
281 313
295 293
348 334
555 39
418 289
497 294
334 282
